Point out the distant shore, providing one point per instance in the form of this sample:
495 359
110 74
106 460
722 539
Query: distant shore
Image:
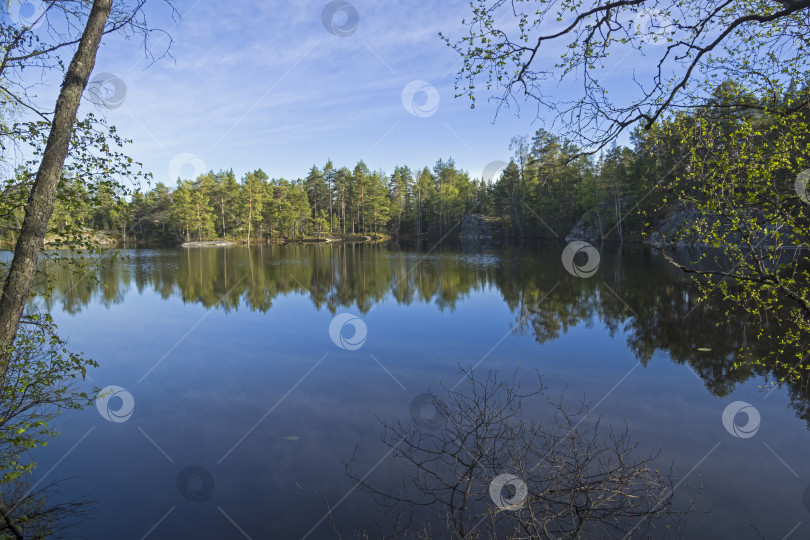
325 238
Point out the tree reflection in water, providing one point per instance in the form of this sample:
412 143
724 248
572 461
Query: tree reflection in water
635 292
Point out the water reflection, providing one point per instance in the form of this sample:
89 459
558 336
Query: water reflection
635 293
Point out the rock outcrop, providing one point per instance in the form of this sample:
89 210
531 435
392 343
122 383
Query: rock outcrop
594 226
586 228
476 227
666 229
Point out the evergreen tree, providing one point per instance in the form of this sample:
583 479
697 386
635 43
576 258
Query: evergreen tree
399 188
182 209
423 194
252 201
342 183
330 177
317 191
358 190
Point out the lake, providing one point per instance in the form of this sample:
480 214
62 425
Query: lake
235 408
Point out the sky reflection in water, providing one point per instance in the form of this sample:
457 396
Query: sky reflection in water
228 357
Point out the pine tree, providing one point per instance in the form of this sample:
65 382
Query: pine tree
343 181
424 194
358 190
377 209
399 188
253 192
330 177
182 209
224 195
202 214
316 188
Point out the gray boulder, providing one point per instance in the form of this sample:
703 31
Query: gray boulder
476 227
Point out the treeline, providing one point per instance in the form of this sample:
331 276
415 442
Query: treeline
542 191
545 188
329 200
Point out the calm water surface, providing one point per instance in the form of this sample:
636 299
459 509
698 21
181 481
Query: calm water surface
228 357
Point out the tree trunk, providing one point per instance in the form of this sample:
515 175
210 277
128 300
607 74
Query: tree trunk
517 217
250 214
331 191
419 205
618 205
598 212
222 207
39 208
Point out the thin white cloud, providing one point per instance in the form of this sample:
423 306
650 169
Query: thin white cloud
337 96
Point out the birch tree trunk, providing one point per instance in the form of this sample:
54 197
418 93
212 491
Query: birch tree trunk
39 208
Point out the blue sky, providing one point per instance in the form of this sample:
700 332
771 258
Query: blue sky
266 85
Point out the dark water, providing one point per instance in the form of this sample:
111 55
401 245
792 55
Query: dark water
227 355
